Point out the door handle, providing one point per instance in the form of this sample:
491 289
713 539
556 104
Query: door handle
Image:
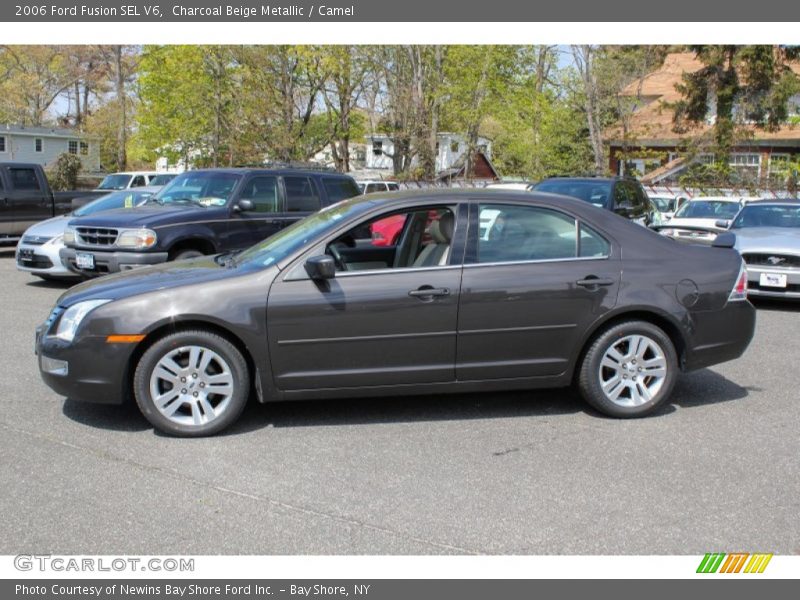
427 291
592 281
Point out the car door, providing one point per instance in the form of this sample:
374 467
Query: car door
531 286
6 215
27 196
372 326
263 218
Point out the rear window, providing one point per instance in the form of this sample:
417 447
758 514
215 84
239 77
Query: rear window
24 179
339 188
593 192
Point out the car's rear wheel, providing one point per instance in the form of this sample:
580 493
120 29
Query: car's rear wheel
629 370
191 383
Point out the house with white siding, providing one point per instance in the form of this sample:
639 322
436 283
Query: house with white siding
42 145
450 149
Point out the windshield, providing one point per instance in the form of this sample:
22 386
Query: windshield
114 182
126 199
768 216
708 209
663 204
201 188
593 192
282 244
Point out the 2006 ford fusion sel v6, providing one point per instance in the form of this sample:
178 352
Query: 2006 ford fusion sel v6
479 290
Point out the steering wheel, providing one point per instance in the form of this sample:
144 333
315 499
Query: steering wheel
337 257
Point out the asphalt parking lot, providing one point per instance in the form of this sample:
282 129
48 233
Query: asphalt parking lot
517 473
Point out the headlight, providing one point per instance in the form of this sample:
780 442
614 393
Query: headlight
137 238
72 317
69 235
56 240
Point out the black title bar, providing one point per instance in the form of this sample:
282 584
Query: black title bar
399 10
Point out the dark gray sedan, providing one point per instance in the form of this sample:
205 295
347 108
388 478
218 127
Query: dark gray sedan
482 291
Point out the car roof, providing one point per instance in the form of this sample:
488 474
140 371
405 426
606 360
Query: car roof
586 179
271 170
776 202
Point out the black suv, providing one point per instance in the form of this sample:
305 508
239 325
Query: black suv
201 212
622 195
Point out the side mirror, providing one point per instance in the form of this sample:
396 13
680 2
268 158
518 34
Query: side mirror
722 223
244 205
724 240
321 267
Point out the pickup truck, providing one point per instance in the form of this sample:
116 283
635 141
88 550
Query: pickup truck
201 212
26 198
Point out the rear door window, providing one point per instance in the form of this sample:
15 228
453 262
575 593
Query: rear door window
301 195
513 233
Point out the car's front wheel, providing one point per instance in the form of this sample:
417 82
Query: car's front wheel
191 383
629 370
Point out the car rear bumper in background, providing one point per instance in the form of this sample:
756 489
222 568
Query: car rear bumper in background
720 335
754 287
112 262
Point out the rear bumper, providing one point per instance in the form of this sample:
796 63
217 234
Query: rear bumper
754 287
111 262
721 335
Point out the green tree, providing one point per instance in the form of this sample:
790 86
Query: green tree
738 88
185 102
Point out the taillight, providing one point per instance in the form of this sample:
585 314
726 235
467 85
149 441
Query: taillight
739 291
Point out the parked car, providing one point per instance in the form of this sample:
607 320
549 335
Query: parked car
38 250
127 180
564 292
201 212
667 205
26 198
700 220
768 238
370 187
621 195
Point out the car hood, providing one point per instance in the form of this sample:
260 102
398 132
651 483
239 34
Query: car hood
147 215
49 228
768 239
150 279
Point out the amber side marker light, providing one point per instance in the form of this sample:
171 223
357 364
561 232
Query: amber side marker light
124 339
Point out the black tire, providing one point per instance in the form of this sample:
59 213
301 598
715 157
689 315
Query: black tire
189 253
589 377
235 402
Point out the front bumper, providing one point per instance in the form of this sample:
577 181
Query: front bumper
754 287
41 259
720 335
111 262
88 370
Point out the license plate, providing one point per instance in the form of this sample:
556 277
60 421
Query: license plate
84 261
776 280
37 336
26 255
